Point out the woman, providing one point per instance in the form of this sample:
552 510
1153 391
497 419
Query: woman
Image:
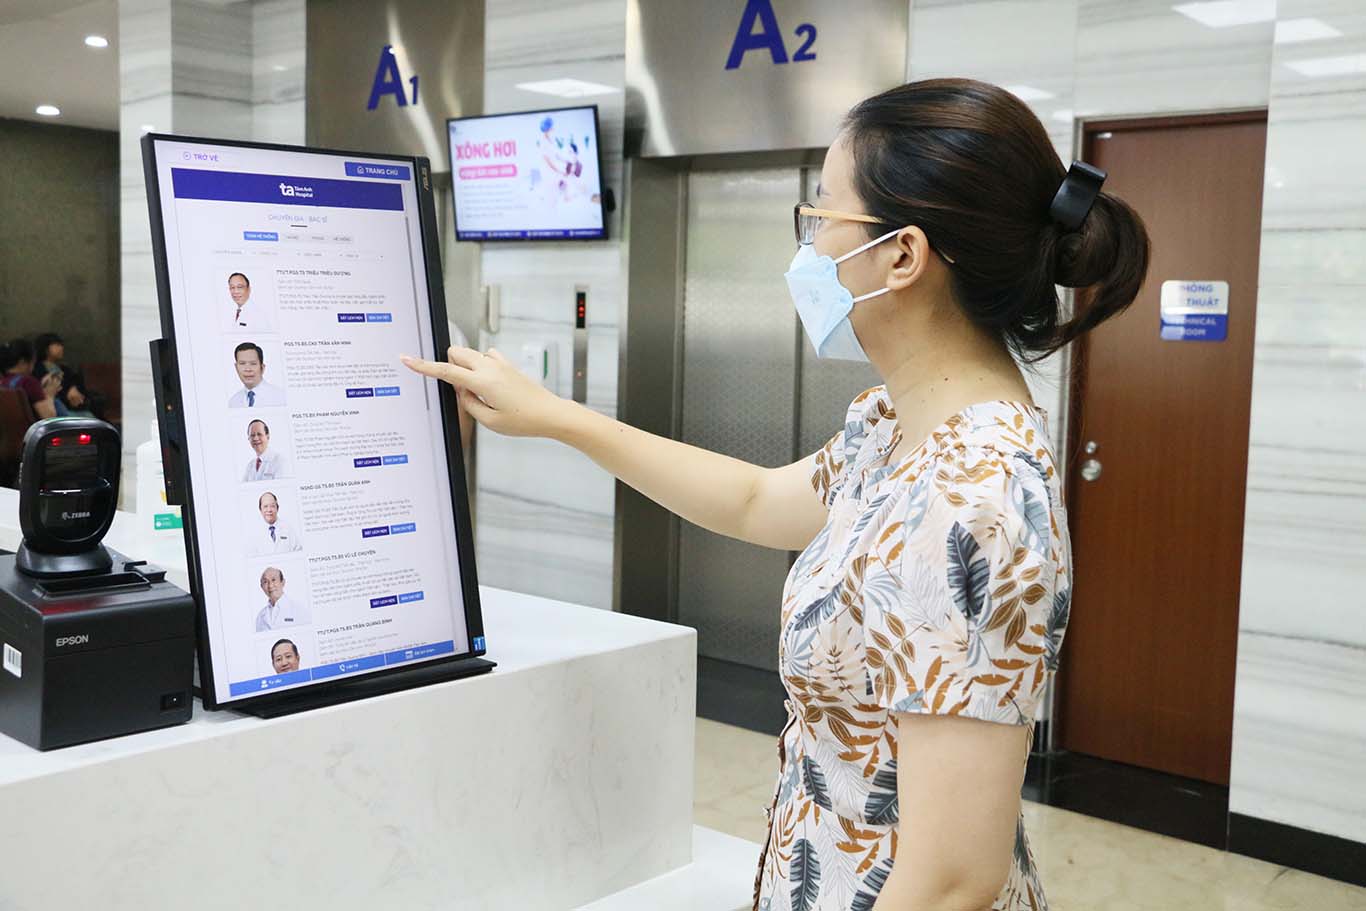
923 618
71 399
16 361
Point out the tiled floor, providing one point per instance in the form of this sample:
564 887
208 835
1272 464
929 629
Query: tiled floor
1087 864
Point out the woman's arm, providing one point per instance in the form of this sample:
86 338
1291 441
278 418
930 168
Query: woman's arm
958 795
45 407
773 507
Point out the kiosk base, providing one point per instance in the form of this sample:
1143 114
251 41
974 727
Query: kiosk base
363 688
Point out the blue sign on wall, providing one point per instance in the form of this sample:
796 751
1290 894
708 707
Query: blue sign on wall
1194 311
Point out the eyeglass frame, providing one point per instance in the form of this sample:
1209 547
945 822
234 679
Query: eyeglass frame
806 208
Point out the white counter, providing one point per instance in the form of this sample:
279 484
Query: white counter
563 777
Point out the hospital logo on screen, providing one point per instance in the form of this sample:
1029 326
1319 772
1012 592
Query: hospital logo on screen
289 189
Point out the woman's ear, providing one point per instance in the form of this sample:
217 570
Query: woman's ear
911 258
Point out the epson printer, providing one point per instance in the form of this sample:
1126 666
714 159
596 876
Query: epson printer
94 644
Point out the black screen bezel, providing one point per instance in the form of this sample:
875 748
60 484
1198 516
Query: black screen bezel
602 179
455 460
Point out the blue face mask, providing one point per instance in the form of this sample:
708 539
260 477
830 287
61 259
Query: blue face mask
824 304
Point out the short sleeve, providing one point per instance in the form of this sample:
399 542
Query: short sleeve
834 458
962 611
828 474
33 388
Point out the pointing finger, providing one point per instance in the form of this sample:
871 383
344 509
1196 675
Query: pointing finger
450 373
463 357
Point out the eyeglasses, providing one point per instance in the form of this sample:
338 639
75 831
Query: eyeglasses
806 220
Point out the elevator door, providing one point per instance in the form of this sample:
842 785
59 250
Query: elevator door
751 389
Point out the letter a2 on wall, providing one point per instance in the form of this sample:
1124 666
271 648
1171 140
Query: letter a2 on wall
677 53
767 38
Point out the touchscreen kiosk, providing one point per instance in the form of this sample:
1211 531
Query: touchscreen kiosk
326 520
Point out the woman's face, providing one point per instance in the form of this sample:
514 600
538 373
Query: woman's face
867 271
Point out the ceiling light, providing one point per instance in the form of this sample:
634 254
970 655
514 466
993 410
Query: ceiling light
1330 66
1065 115
96 41
47 110
279 68
1293 31
1225 13
1028 93
568 88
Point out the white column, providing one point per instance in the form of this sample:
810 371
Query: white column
228 71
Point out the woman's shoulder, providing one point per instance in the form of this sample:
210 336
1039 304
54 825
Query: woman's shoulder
990 464
869 407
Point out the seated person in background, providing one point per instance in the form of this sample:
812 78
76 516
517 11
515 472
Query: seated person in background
16 360
284 655
48 351
280 610
73 398
268 464
250 362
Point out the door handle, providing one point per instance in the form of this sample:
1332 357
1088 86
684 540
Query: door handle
1091 468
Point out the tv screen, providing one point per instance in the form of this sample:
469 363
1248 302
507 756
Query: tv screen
326 526
533 175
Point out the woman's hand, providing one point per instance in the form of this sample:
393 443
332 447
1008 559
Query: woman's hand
52 384
495 393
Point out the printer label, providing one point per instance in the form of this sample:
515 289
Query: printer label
72 640
14 660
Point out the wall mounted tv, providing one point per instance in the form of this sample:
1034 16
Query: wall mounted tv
530 175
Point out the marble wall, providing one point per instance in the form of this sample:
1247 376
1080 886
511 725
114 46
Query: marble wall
1299 736
190 67
545 512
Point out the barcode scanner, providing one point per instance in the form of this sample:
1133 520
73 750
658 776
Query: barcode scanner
68 492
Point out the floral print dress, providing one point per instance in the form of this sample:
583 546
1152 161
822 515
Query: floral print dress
938 586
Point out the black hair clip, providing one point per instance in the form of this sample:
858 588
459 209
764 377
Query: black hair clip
1077 194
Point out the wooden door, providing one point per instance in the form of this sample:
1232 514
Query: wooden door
1148 665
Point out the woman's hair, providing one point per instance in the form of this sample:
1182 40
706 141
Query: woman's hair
972 166
43 342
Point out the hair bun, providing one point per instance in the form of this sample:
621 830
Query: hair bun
1109 253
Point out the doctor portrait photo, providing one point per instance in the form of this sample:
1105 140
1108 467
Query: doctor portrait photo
279 610
250 363
284 656
243 312
272 535
267 462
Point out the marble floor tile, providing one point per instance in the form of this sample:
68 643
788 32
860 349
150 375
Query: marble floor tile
1086 864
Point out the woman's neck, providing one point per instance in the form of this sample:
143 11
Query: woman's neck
962 367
